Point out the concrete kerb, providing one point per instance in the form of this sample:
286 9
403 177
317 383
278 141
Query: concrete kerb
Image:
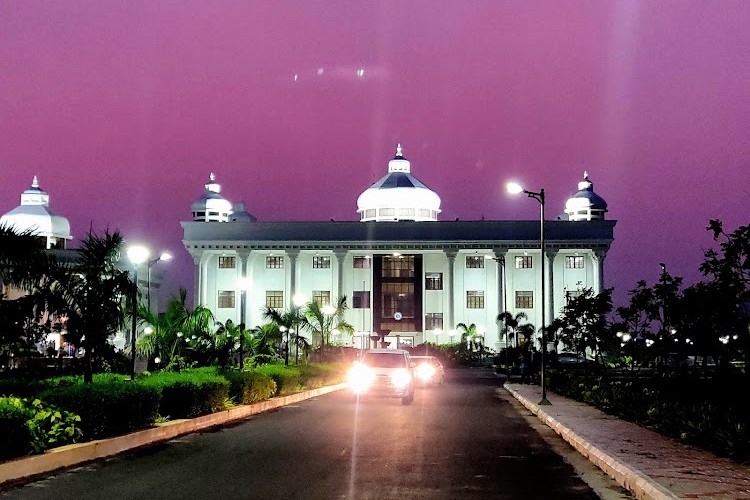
642 486
75 454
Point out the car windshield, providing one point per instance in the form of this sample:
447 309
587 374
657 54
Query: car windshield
384 360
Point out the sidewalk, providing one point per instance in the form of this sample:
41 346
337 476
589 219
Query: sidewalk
646 463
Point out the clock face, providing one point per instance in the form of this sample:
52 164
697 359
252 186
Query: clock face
397 316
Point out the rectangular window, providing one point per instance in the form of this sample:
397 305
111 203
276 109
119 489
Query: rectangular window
321 262
226 262
398 298
362 262
361 299
275 299
321 297
524 300
387 212
475 262
433 281
574 262
401 266
475 299
275 262
226 299
433 321
524 262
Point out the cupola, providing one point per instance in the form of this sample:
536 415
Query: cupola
585 204
398 196
211 206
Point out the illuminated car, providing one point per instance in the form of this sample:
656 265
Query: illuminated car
384 373
429 370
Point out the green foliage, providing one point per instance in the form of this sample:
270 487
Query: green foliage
288 379
30 426
249 387
108 407
190 393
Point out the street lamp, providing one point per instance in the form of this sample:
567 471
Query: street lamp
515 188
299 300
165 256
243 284
137 255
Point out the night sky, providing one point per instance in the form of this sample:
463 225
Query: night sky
124 108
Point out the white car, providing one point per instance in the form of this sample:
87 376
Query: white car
429 370
384 373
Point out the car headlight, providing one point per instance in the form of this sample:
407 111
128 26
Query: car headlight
425 372
360 378
401 377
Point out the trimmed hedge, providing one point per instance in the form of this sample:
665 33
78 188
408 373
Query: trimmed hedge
288 379
188 394
249 387
107 407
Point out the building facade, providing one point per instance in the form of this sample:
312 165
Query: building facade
407 277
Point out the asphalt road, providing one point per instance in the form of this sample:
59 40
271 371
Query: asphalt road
456 441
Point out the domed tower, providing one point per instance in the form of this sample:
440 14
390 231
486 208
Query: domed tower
211 206
585 204
35 215
240 214
398 196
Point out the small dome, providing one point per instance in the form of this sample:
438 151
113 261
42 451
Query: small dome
35 215
585 204
398 196
240 214
211 206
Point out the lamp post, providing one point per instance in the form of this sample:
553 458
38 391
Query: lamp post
165 256
285 330
243 284
137 255
329 311
299 300
515 188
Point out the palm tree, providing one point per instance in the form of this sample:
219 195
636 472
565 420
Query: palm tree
23 260
175 326
322 324
292 320
89 294
265 338
510 324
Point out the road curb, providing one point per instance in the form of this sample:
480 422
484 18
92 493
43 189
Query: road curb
638 483
75 454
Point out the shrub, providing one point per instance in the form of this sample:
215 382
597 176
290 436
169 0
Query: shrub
32 427
288 379
320 375
108 407
189 393
250 387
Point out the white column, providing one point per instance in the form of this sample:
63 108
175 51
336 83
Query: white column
340 254
598 258
551 253
203 298
293 254
451 254
500 254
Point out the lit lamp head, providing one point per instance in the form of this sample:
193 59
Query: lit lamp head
299 299
514 188
137 254
165 256
243 284
328 309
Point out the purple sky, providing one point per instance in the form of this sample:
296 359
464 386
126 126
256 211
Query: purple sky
123 108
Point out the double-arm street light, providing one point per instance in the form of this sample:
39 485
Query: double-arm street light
515 188
165 256
137 254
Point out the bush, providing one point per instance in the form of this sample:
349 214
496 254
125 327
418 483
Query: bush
189 393
32 427
250 387
320 375
288 379
108 407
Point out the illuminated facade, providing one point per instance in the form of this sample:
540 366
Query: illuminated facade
406 275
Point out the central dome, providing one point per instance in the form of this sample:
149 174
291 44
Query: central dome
398 196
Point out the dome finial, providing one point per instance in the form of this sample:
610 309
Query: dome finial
586 174
212 177
399 152
35 182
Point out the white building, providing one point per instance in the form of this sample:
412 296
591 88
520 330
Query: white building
405 274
